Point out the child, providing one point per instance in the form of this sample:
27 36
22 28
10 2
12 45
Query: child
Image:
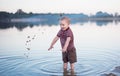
67 42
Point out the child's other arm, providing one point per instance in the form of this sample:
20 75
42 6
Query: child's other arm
53 42
66 44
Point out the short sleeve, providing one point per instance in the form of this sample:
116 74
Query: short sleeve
58 34
69 33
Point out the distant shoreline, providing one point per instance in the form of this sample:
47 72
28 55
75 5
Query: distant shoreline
21 16
81 19
12 20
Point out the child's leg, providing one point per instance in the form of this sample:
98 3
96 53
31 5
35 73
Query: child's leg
65 66
72 66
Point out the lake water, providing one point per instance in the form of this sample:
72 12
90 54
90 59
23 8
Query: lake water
23 50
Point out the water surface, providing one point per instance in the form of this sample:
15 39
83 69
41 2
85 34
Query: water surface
23 49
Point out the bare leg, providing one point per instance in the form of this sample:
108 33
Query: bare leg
65 66
72 66
65 69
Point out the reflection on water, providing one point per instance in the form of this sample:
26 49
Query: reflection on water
69 73
91 62
24 53
21 25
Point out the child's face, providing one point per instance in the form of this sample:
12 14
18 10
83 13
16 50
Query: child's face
64 24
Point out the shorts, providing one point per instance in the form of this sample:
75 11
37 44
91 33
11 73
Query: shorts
69 56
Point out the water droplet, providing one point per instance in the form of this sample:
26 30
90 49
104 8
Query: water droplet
28 37
28 48
27 41
33 38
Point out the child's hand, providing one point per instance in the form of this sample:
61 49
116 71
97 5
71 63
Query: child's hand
50 48
64 50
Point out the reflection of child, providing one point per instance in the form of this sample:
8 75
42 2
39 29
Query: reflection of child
67 42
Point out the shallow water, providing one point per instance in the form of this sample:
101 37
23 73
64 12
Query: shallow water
24 53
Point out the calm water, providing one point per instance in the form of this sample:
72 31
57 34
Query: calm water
23 51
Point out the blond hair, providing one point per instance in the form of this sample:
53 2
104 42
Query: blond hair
66 18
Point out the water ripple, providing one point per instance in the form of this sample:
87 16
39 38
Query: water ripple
90 62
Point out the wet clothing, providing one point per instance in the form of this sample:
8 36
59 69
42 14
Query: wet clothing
70 55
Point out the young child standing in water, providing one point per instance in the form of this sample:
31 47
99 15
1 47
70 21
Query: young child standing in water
67 42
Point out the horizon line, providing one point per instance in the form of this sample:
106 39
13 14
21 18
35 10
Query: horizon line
61 12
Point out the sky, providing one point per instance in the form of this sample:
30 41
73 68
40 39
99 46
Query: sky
61 6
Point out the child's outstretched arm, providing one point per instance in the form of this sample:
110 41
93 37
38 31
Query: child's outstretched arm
64 49
53 42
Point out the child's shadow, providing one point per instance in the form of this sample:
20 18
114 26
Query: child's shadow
69 73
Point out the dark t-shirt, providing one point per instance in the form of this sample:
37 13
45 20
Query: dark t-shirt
63 34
